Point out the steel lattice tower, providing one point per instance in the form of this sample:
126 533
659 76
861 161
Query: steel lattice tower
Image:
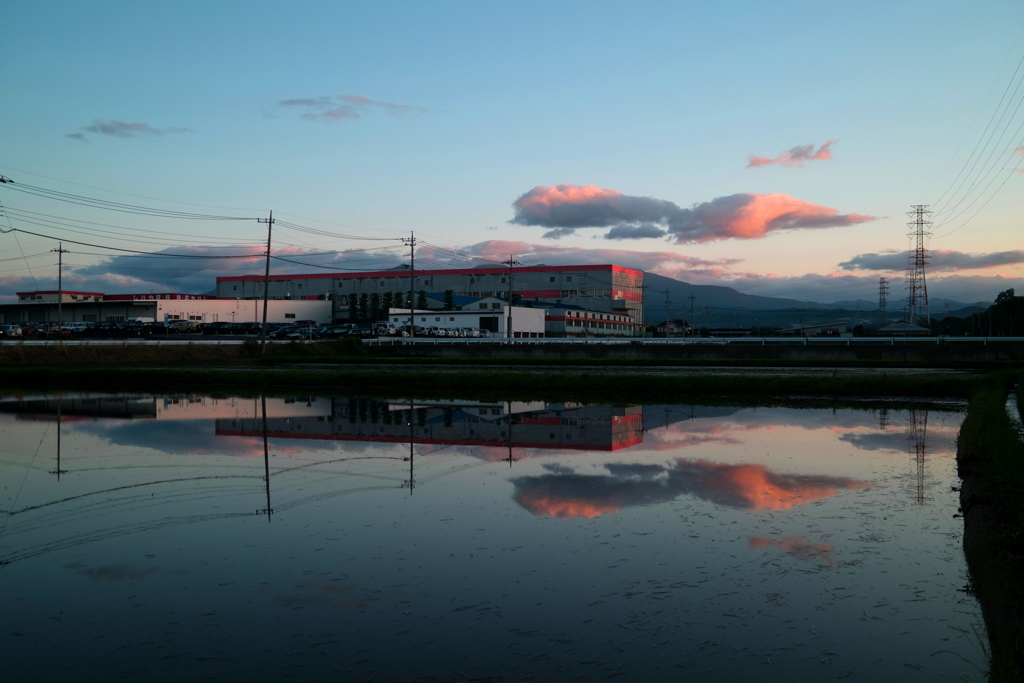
917 301
883 293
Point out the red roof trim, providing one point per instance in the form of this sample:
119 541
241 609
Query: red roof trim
424 273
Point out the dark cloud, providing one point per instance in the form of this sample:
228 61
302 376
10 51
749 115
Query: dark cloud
122 129
795 157
76 136
565 208
752 487
347 106
634 232
938 260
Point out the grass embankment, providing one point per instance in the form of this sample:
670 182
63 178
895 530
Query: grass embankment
353 352
990 456
496 383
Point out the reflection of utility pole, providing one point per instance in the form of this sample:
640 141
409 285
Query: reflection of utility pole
510 459
411 482
586 302
266 459
58 471
918 432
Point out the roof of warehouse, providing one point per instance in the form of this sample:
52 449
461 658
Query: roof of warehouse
377 274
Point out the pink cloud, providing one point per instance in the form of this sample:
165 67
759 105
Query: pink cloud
795 157
565 208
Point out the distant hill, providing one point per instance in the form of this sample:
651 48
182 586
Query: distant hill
716 296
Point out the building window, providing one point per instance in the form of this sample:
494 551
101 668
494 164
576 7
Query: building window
451 319
289 315
495 305
234 288
423 320
552 279
568 278
437 320
502 280
483 305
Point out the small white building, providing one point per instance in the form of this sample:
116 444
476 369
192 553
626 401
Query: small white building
487 314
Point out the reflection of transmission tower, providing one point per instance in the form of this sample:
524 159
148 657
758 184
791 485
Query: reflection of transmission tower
883 418
918 431
917 302
883 293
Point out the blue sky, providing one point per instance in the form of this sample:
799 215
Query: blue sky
445 113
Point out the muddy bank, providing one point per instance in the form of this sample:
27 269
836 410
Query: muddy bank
990 459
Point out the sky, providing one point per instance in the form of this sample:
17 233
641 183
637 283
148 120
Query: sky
772 147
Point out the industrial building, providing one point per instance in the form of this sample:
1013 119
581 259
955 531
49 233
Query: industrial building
613 293
43 306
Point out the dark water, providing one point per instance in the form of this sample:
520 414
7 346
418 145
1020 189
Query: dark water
535 542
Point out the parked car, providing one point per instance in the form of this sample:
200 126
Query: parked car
470 332
331 332
10 331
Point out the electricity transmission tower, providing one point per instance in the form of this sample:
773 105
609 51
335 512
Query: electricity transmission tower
883 293
917 303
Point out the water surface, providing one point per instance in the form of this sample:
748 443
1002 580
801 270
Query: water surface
398 540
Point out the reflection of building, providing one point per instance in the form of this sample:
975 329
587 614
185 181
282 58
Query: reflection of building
526 425
164 407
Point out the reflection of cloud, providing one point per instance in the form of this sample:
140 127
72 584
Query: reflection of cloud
892 440
113 572
751 487
795 546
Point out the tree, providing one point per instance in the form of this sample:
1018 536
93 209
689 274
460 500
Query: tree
449 300
401 299
516 299
387 301
364 306
375 307
421 300
353 306
1004 296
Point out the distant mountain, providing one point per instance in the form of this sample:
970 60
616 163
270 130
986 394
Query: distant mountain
716 296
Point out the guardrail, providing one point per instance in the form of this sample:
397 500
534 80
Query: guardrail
652 341
572 341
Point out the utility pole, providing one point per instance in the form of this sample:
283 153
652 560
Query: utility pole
412 283
508 323
266 284
667 302
60 282
643 329
883 299
691 298
918 258
586 301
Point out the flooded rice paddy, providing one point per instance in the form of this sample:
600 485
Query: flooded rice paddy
309 538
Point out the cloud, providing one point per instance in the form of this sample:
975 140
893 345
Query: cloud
565 208
122 129
629 232
327 108
938 260
748 487
795 157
